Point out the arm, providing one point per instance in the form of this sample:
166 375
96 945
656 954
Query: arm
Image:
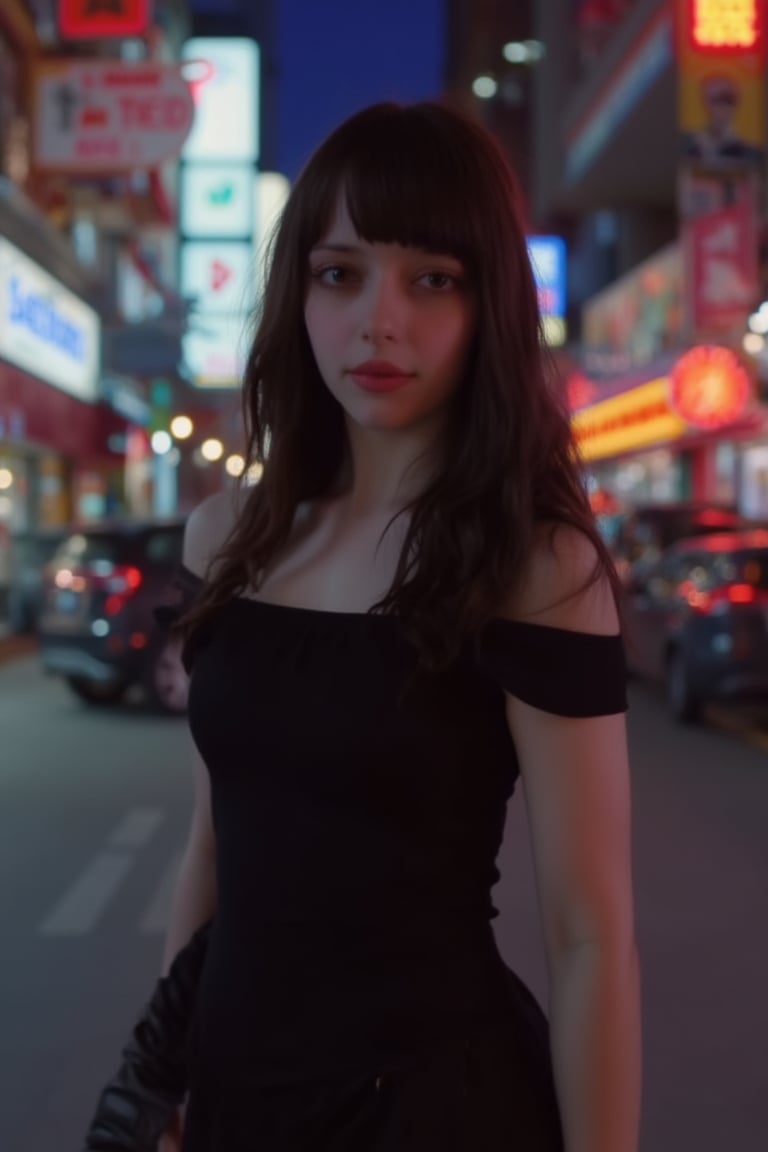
142 1099
576 780
194 902
195 896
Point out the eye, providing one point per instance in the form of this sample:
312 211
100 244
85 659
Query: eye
439 281
332 275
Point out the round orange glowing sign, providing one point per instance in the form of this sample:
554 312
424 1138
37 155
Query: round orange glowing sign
709 387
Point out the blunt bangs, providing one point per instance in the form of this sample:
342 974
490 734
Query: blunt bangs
407 180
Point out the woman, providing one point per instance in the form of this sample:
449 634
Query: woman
411 609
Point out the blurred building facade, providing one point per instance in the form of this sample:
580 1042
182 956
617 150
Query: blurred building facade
93 108
638 129
649 148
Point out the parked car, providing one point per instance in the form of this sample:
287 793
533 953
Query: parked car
97 628
30 552
698 620
647 529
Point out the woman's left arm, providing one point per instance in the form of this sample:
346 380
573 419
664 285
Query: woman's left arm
576 781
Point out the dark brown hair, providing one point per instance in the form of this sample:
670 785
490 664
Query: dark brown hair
427 176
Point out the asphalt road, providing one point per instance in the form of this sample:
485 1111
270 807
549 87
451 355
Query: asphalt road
93 813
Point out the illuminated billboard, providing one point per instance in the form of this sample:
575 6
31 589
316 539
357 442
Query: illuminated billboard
548 260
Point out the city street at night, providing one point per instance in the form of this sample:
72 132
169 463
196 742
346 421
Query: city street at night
453 312
94 813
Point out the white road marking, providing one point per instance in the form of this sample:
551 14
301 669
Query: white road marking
136 828
158 913
79 909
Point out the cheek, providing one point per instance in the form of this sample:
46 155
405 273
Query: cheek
325 328
453 341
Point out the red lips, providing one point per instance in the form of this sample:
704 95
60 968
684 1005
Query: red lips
379 376
378 368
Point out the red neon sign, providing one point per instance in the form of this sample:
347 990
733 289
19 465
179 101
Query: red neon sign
102 19
726 25
709 387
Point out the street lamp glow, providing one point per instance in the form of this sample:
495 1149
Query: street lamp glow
484 87
235 464
161 443
6 478
182 427
515 52
753 343
212 450
254 473
536 50
523 51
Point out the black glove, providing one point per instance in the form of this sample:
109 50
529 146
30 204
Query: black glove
140 1101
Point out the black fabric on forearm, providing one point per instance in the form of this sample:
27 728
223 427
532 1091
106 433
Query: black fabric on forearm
137 1105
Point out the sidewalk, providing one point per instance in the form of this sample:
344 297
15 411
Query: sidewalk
11 647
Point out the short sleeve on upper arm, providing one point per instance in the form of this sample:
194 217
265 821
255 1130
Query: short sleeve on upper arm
181 593
567 673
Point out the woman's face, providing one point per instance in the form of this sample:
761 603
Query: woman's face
390 327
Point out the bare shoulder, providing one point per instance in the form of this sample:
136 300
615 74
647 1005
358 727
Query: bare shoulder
207 528
565 584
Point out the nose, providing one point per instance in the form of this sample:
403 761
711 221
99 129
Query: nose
382 310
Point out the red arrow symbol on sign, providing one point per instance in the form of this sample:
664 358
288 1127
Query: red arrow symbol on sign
220 274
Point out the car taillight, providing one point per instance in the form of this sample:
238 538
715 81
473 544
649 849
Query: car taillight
117 581
722 598
120 585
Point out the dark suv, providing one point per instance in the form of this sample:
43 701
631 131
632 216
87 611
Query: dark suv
96 625
698 620
645 531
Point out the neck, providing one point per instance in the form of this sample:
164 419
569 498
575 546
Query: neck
385 470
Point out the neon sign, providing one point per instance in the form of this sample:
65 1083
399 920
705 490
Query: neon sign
709 387
733 25
46 329
102 19
40 316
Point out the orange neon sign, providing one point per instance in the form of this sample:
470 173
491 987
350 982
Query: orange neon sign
635 419
709 387
732 25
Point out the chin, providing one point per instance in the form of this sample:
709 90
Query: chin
393 420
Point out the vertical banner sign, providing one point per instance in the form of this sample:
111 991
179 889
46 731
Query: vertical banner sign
721 82
102 19
722 270
721 51
218 225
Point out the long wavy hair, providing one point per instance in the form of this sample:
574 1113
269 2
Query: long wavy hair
419 175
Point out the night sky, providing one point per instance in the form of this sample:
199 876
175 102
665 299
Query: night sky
336 56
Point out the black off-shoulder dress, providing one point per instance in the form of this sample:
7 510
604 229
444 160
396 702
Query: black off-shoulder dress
353 998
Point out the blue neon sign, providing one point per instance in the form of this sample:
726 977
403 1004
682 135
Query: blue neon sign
548 260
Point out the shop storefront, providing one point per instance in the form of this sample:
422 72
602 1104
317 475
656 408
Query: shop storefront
61 447
692 432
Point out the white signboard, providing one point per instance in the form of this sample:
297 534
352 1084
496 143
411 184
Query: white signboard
223 73
218 274
214 350
45 328
217 200
109 116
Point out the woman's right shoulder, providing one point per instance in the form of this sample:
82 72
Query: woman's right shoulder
208 527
